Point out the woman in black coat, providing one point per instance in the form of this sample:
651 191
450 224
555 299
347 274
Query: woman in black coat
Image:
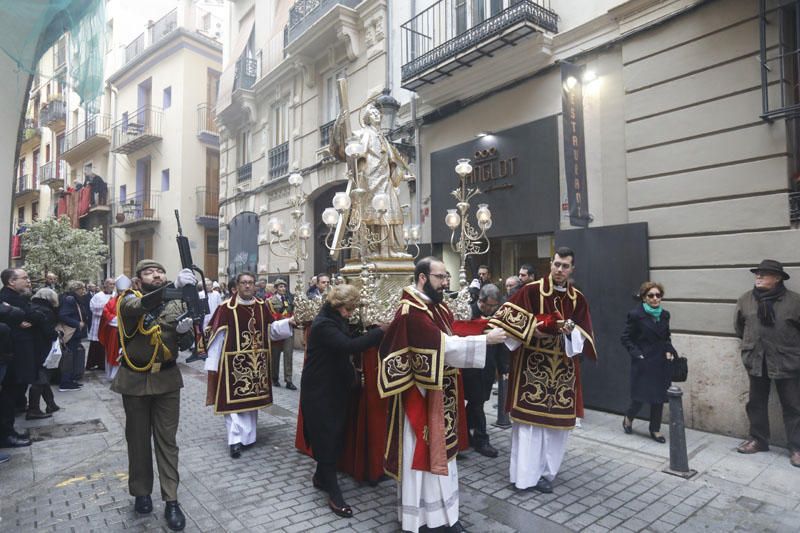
328 377
45 302
648 341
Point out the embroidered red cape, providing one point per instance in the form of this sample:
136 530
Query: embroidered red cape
544 384
108 334
243 380
412 355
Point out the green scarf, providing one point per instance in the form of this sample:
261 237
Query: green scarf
654 312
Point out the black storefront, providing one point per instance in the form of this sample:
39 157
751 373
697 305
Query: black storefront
517 170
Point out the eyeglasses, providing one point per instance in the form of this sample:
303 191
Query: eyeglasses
653 295
439 276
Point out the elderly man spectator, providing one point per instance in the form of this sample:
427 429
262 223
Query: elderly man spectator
21 370
72 320
318 289
513 283
484 277
768 322
96 359
51 281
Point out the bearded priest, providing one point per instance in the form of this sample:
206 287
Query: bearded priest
418 372
238 363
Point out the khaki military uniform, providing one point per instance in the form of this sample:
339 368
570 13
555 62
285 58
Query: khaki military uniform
150 382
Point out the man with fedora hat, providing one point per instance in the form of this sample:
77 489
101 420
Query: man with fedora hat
151 331
768 322
282 306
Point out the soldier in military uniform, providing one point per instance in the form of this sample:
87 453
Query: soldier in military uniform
149 380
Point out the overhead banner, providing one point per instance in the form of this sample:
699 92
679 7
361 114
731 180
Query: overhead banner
574 149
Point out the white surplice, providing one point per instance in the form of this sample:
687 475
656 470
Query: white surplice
242 426
538 451
96 304
428 499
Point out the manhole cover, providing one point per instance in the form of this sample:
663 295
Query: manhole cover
58 431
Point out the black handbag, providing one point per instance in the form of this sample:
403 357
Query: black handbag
679 369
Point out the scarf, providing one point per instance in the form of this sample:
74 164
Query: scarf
654 312
766 301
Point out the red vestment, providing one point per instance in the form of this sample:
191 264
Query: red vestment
107 334
544 384
242 381
412 355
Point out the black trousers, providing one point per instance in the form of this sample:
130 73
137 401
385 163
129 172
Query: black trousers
476 424
656 412
757 411
8 404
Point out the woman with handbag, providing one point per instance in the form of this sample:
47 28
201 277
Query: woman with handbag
648 341
326 383
45 302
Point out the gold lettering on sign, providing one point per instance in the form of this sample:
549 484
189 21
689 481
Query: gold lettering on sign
488 167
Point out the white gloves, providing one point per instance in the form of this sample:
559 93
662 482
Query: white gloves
184 325
185 277
476 284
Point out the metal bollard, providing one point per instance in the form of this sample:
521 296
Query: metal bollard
678 458
503 421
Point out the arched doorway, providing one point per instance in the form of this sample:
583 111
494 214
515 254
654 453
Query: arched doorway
322 259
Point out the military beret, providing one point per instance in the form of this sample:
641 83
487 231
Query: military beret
148 263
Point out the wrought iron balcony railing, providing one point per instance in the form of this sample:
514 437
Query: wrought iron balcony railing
794 206
30 130
53 173
244 172
279 160
164 26
138 209
325 133
245 73
136 130
96 125
53 114
134 48
206 123
25 184
304 13
450 27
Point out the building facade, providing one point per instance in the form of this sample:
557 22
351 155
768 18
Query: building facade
657 138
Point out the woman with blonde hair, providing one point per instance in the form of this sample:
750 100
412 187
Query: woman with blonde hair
328 376
648 340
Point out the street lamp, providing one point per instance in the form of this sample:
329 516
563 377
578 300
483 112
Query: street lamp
470 240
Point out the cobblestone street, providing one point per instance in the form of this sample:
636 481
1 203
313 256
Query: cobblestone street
77 481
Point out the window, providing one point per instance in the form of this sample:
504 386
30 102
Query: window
20 214
330 104
167 97
123 193
280 127
34 211
165 180
21 166
243 149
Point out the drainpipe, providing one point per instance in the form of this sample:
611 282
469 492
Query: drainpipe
417 142
389 51
113 163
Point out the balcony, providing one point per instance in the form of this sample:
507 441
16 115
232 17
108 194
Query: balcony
443 41
26 187
207 207
279 160
207 131
138 210
163 26
136 130
304 13
134 49
31 133
52 174
86 138
244 172
245 73
53 115
325 133
794 206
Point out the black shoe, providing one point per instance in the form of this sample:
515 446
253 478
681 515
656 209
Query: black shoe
13 441
36 414
196 357
175 519
236 450
52 408
290 386
486 450
25 434
627 425
544 486
345 511
276 383
657 438
143 504
69 387
457 528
